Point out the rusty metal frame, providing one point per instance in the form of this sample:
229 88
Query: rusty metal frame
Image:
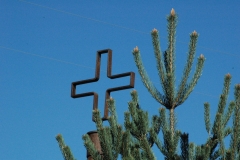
96 78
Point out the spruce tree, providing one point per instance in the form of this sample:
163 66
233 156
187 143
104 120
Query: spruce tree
139 134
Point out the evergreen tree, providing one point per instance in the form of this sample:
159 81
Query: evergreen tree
170 98
135 141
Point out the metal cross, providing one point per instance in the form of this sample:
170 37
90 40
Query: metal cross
96 78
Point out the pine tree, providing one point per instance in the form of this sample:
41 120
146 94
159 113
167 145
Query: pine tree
170 98
214 147
136 139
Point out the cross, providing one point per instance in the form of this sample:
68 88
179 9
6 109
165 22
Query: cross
96 78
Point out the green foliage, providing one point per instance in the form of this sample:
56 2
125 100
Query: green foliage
66 152
170 98
131 143
214 148
234 151
110 137
134 141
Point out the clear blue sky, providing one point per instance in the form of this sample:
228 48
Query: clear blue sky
46 45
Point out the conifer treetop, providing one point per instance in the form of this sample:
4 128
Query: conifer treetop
171 97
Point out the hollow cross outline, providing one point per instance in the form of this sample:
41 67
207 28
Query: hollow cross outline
96 78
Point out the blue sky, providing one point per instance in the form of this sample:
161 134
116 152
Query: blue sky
46 45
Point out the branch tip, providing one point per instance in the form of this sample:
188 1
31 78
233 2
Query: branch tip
58 135
194 33
173 12
228 75
135 50
202 56
238 86
154 30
